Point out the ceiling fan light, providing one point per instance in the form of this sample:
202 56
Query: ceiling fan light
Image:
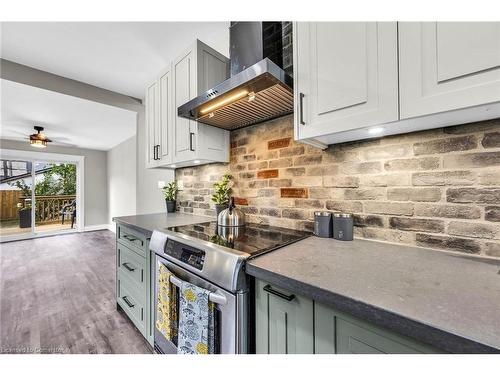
39 143
39 140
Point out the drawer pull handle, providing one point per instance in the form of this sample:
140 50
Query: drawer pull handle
128 267
287 297
131 238
130 304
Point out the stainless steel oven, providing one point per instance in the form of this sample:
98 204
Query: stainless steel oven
213 258
183 261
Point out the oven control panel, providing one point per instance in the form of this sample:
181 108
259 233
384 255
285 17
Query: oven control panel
186 254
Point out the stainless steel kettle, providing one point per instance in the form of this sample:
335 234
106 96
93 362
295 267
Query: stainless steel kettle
231 216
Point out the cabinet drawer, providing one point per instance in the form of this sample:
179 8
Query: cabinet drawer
362 338
131 302
133 239
132 266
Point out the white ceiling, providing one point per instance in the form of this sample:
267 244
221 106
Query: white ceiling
68 121
119 56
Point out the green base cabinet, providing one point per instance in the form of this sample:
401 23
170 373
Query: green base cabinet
304 326
134 284
284 322
339 333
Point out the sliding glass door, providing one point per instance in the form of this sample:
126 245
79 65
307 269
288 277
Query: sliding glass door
55 196
38 197
16 183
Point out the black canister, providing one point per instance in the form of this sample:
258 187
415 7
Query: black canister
343 226
323 224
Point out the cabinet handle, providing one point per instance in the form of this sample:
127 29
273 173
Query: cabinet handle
287 297
301 109
154 152
158 152
128 267
130 304
191 134
131 238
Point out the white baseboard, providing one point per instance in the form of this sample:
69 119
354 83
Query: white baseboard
90 228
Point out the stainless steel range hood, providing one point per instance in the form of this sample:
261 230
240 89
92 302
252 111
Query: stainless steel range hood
260 92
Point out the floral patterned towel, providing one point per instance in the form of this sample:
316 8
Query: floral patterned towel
166 313
196 321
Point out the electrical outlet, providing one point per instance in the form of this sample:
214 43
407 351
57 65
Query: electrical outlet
161 184
180 184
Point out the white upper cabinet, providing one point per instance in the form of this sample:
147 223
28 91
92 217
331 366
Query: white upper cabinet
152 124
348 84
174 141
184 90
345 76
159 116
195 71
448 65
166 114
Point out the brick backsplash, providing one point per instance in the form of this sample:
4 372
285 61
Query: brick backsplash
438 188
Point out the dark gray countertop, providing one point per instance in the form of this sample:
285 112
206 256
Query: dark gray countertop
449 301
147 223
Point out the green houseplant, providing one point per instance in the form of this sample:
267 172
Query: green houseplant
170 193
221 193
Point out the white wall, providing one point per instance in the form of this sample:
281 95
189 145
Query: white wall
122 179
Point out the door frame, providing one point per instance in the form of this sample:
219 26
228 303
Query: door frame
33 156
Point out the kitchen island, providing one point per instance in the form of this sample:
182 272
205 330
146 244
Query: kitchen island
448 301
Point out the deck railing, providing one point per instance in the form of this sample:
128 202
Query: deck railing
48 207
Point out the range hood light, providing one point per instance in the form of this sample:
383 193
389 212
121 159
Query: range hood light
211 114
251 96
224 101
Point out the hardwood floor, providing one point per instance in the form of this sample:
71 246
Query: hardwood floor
57 295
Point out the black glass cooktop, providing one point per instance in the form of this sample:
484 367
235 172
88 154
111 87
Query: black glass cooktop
254 239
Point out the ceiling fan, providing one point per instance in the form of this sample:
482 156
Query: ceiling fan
39 139
16 131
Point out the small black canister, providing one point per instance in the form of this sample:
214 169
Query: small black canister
343 226
323 224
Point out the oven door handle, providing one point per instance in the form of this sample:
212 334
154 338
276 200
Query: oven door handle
219 299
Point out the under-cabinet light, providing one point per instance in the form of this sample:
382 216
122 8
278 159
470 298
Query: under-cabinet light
376 130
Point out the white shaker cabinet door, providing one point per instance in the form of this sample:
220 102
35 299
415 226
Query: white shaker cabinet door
185 89
448 65
165 118
152 122
345 76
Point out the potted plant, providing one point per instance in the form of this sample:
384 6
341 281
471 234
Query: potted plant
222 192
170 192
24 215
